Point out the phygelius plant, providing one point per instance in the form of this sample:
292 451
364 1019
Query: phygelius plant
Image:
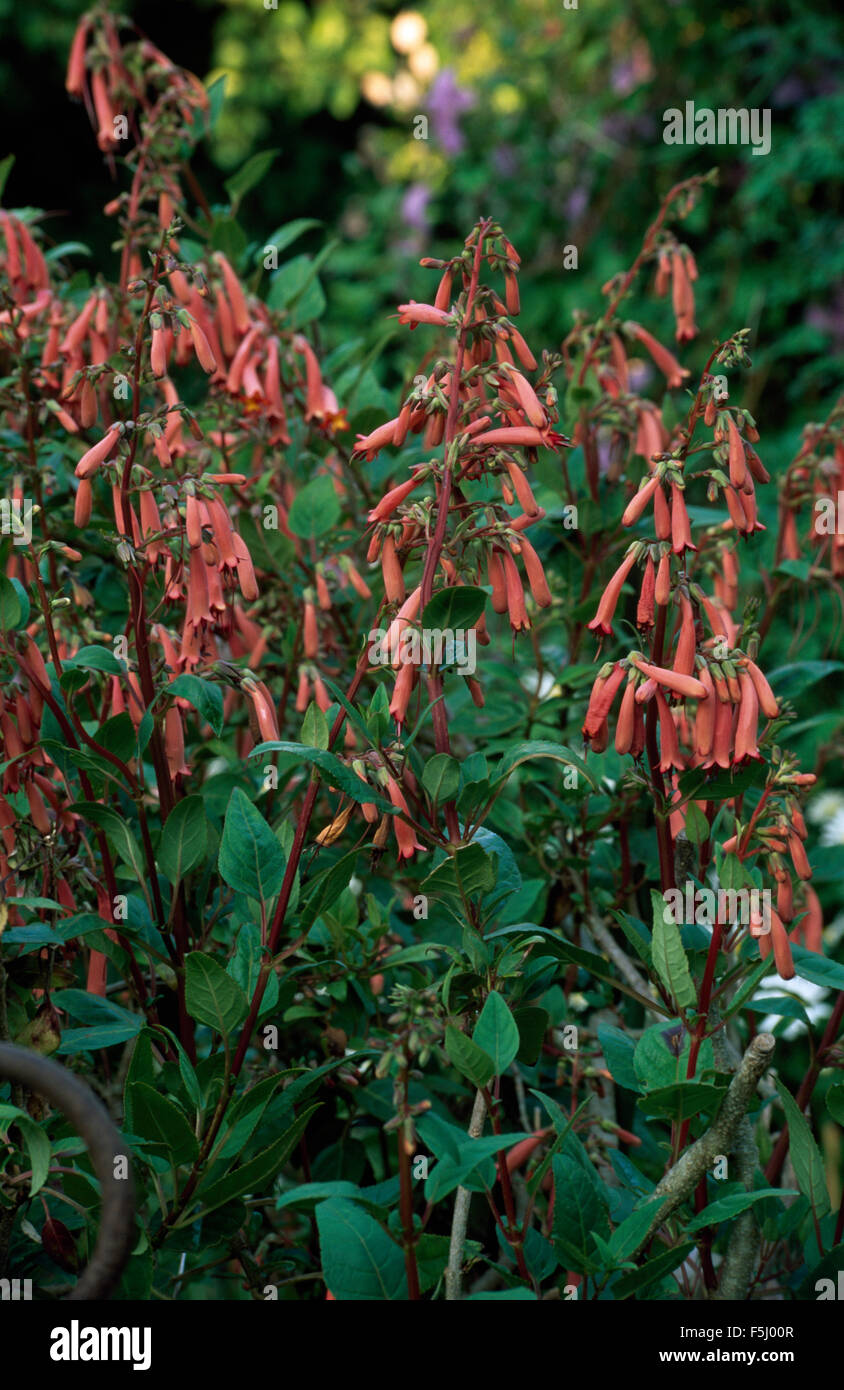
243 657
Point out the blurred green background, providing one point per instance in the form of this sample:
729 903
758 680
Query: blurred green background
546 117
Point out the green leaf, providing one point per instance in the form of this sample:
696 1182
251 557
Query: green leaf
469 1059
669 958
725 1208
119 737
184 839
790 681
118 831
5 170
12 612
140 1069
835 1102
681 1100
618 1049
450 1173
315 732
805 1157
468 872
508 880
359 1260
212 996
35 1141
284 236
656 1064
159 1119
562 949
251 859
315 509
206 698
441 777
532 1023
244 1117
662 1264
783 1005
336 772
697 826
819 969
92 1039
227 235
628 1236
296 288
453 609
91 1008
254 1175
542 748
716 785
96 658
579 1211
249 175
326 888
637 934
496 1032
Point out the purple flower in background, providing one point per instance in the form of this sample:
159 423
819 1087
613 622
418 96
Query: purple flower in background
506 161
576 204
623 77
789 93
414 207
828 319
413 211
640 376
446 104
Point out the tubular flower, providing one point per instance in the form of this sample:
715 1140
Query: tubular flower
664 360
602 620
415 314
637 505
404 832
97 455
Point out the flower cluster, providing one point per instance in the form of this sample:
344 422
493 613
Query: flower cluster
696 699
490 419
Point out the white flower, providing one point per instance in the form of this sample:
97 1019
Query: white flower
833 831
813 997
824 806
543 685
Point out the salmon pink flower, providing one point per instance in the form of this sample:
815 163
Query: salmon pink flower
671 680
664 360
602 620
637 504
414 314
601 699
97 454
371 444
405 834
75 79
402 692
395 497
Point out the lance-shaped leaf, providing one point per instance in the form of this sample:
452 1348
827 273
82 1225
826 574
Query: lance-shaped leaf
668 955
805 1156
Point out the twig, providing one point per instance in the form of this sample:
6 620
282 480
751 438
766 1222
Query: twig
460 1219
681 1180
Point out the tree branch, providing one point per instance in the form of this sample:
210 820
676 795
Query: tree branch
681 1180
460 1219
